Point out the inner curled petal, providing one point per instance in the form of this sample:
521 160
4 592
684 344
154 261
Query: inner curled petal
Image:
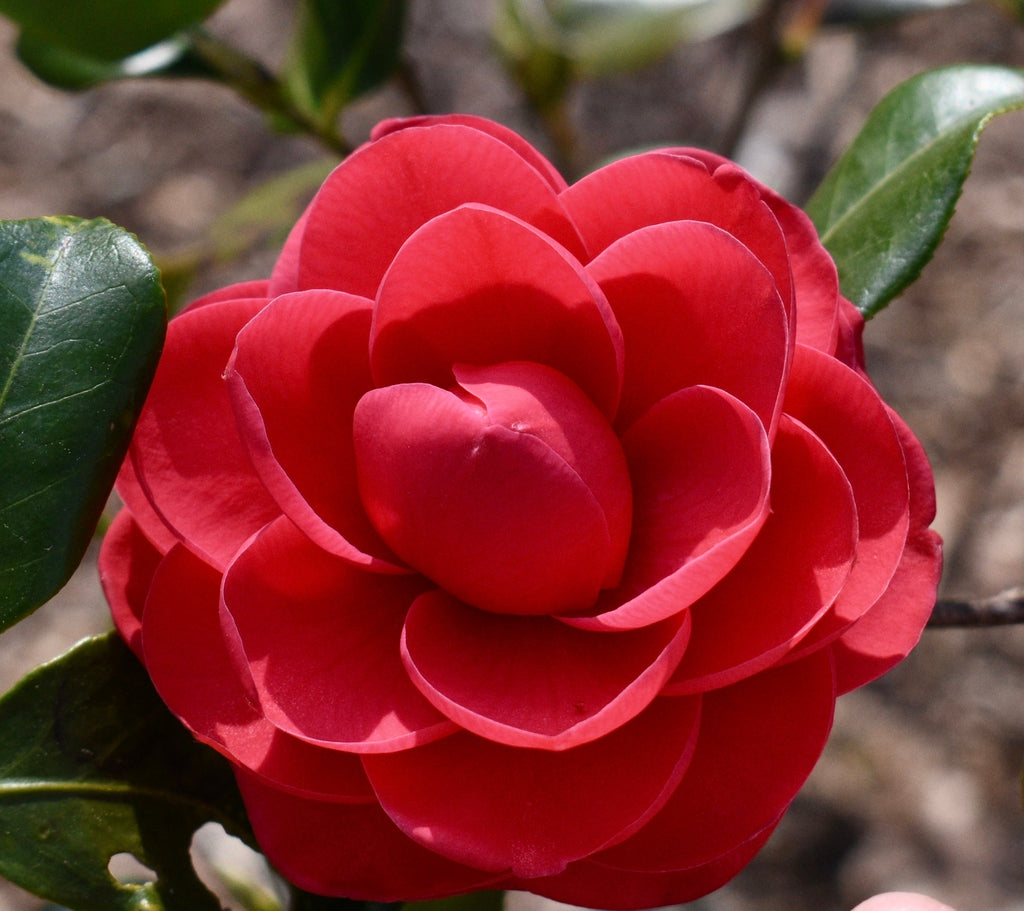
510 491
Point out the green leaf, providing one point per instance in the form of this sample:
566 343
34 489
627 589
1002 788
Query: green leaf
882 210
82 321
474 901
105 29
66 69
93 765
341 50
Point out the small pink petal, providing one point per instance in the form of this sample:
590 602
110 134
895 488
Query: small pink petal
478 286
385 190
786 580
701 471
502 808
296 373
532 681
696 308
321 641
901 901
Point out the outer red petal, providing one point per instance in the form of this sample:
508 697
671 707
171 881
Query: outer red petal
297 371
532 681
127 562
696 308
186 655
321 640
893 625
533 811
789 576
659 186
354 852
843 409
593 885
814 273
477 286
701 471
285 277
758 742
186 451
507 136
385 190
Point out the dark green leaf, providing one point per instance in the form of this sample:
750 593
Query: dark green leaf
474 901
92 765
82 321
105 29
884 207
340 51
72 70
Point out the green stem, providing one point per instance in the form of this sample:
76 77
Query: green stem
261 88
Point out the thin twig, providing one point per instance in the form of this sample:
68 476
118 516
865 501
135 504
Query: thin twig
1005 608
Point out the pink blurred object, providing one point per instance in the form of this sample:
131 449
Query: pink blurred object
902 901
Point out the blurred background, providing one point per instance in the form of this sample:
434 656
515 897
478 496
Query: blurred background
920 786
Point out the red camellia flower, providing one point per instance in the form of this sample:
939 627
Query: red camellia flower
521 535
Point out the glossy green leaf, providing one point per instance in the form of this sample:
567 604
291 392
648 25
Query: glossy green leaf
105 29
93 765
73 70
474 901
882 210
341 50
82 322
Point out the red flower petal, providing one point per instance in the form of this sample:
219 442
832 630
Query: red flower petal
758 742
187 658
884 635
533 811
532 681
696 308
657 187
507 136
591 884
494 514
321 640
354 852
186 452
701 471
814 273
789 576
476 286
297 371
285 277
127 562
843 409
385 190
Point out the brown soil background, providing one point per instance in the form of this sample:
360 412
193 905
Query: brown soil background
919 787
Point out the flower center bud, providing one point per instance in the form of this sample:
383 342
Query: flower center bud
510 491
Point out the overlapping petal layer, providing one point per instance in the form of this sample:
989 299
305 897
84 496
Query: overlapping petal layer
520 535
500 808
